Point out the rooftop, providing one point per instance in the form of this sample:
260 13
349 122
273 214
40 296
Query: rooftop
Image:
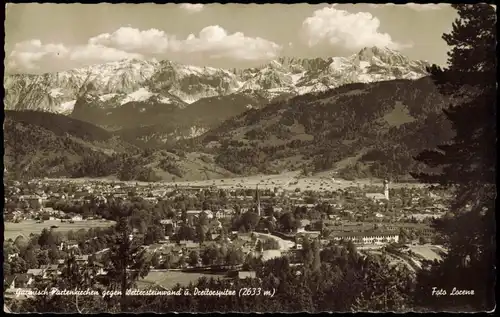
364 234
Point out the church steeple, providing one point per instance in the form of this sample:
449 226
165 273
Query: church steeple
257 199
386 189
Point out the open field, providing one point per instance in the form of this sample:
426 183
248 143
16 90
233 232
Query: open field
426 251
288 181
25 228
169 279
292 181
285 245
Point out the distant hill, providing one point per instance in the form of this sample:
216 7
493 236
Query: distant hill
46 144
358 130
154 124
41 144
60 125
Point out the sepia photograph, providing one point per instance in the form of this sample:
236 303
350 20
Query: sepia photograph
249 158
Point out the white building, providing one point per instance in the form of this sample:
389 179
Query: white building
194 213
209 213
77 218
374 237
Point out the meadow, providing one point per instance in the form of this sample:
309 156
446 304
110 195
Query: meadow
323 181
169 279
427 251
292 181
13 230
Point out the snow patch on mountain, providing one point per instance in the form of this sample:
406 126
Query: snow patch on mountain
142 94
297 77
56 92
364 66
165 100
67 107
107 97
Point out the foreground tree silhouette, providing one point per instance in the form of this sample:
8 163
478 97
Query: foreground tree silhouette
127 262
468 164
386 287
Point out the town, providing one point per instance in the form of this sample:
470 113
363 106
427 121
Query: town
190 231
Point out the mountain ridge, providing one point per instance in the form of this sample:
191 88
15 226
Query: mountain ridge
140 80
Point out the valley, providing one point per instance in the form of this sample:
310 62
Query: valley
288 181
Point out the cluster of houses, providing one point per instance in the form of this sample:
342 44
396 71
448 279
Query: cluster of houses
42 214
19 282
214 220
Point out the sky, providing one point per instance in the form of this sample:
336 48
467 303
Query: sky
52 37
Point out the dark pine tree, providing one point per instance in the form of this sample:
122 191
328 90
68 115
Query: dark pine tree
128 261
467 164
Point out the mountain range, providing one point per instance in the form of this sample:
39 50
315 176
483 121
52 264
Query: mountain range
163 101
167 82
367 113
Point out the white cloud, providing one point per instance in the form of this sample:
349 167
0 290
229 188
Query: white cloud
217 43
212 40
130 39
192 7
414 6
28 53
100 53
349 30
127 42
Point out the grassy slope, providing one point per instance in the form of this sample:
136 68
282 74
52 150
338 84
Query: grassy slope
396 119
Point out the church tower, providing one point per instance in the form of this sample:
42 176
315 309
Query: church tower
386 189
257 199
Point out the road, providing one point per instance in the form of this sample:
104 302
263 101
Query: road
102 251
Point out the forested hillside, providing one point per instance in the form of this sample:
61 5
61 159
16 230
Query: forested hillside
360 130
41 144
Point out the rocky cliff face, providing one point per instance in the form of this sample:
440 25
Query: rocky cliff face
118 83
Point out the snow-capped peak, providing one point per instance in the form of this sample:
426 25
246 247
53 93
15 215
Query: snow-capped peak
385 55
